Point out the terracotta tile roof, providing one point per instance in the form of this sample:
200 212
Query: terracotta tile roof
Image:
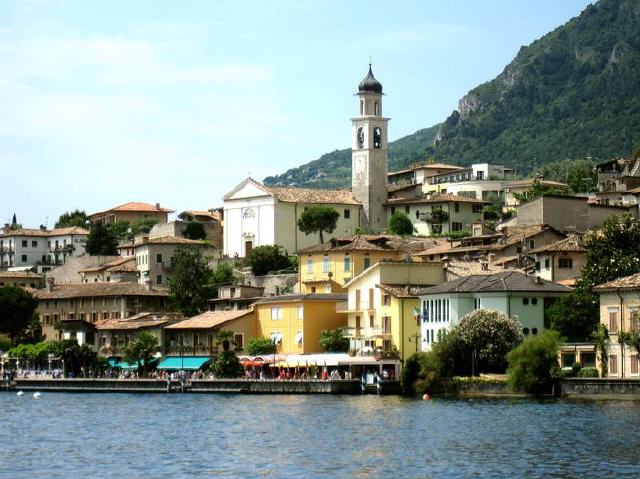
138 321
528 182
426 166
214 215
303 297
310 195
210 319
134 206
627 282
389 243
572 244
403 290
498 282
85 290
168 239
109 264
462 269
441 198
20 274
164 239
569 282
73 230
511 237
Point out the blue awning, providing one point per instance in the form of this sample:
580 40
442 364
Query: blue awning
114 363
183 362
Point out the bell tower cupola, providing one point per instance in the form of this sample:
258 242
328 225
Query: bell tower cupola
369 155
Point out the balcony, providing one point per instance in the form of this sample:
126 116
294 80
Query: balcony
6 249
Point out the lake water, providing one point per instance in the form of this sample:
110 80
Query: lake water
181 435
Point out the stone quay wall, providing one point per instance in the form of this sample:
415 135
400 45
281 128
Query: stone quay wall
585 387
196 386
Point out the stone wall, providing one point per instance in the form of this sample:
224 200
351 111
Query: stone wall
584 387
198 386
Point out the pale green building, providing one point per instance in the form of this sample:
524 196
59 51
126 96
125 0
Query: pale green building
526 297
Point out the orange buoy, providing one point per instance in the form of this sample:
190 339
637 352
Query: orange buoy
426 397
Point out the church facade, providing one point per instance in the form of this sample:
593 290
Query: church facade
257 215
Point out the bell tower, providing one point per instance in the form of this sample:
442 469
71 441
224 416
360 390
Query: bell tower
369 154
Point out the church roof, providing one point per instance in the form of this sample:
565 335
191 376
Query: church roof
370 84
311 195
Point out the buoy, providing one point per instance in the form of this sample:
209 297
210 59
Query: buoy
20 393
36 395
426 397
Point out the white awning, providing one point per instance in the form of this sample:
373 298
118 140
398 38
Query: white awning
276 337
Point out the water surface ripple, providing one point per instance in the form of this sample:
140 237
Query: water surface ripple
177 435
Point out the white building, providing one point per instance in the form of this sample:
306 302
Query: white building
511 292
40 248
258 215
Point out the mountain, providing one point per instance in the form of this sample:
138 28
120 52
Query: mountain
573 93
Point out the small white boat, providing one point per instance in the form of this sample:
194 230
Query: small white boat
36 395
20 393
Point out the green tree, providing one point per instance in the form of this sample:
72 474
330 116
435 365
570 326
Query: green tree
121 231
400 224
266 258
194 230
140 350
77 358
17 310
488 336
531 363
223 274
190 282
318 219
601 338
612 253
260 346
72 218
537 189
226 364
101 241
141 226
333 341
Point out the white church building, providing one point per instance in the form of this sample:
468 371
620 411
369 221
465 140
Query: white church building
257 215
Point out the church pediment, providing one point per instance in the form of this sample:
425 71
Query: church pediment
249 188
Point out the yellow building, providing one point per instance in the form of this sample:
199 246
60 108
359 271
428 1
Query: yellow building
294 321
383 307
326 268
620 312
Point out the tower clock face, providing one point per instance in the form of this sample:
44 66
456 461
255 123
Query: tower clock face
361 137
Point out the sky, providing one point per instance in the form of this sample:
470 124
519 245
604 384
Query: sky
102 103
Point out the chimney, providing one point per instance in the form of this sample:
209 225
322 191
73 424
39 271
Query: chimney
50 284
157 206
537 279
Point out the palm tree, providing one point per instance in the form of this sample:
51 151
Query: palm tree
601 337
226 339
141 350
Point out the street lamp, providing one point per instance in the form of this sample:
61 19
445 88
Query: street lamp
50 358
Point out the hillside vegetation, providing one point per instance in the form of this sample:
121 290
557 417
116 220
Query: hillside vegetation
574 93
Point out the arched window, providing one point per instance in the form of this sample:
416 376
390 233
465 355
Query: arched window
249 213
377 137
